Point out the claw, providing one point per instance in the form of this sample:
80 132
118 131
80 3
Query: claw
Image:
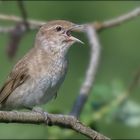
45 114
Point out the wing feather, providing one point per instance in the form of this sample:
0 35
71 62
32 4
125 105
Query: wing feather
16 78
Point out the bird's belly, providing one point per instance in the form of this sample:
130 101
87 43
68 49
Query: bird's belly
47 88
35 92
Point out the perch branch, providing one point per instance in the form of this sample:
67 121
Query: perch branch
65 121
90 73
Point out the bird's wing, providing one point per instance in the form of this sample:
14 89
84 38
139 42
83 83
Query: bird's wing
17 77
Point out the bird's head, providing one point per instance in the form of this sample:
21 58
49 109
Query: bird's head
56 35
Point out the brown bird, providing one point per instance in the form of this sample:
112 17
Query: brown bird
36 78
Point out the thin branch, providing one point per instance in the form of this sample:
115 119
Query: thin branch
65 121
134 81
94 57
118 20
120 99
23 13
34 24
91 71
6 29
15 36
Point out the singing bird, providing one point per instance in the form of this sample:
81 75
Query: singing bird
36 78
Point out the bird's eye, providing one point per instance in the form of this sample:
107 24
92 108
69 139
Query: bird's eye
58 28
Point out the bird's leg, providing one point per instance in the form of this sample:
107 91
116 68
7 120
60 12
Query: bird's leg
40 110
45 114
37 109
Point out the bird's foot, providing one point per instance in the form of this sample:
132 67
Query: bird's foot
37 109
45 114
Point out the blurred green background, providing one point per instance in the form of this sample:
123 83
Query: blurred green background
120 59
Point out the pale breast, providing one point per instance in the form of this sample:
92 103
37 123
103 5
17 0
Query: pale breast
48 83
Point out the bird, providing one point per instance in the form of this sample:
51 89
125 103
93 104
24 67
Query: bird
37 76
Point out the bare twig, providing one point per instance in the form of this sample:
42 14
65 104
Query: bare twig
24 13
119 20
91 71
6 29
34 24
94 59
65 121
120 99
134 81
15 36
17 33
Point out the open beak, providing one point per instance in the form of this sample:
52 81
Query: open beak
72 38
